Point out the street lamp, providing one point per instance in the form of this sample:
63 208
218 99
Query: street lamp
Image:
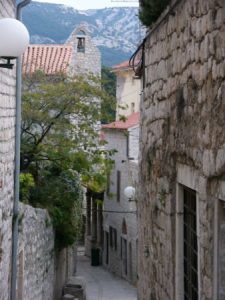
14 40
129 192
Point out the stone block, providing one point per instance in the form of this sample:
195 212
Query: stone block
76 291
75 286
68 297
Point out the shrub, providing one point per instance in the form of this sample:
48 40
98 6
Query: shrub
26 185
61 194
150 10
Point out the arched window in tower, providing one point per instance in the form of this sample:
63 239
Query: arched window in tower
81 41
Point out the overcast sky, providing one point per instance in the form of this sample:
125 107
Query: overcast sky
88 4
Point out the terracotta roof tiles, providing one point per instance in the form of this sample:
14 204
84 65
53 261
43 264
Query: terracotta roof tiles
123 65
51 59
131 121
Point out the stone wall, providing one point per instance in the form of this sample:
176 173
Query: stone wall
182 128
42 271
36 266
7 122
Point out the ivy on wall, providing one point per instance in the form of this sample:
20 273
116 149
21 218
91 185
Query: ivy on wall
150 10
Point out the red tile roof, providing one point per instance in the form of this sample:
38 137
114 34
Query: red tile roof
123 65
49 58
131 121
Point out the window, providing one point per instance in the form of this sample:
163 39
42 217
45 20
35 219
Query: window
221 250
108 185
81 41
128 141
106 247
132 107
124 256
81 44
110 236
118 186
190 255
113 238
187 234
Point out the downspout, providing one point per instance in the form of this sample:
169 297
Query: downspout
13 295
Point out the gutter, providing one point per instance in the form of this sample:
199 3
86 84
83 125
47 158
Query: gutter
13 295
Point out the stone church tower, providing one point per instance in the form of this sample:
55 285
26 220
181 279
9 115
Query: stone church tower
86 57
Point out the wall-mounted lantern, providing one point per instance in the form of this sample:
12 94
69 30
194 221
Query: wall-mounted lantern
14 39
129 192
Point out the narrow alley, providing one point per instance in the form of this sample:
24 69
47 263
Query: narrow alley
102 285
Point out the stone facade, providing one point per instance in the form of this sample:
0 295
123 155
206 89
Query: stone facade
120 248
182 150
7 132
86 57
120 216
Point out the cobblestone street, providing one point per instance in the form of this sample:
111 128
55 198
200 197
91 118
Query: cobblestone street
102 285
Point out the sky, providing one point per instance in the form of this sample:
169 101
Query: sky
91 4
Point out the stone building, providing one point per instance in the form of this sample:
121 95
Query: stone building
182 155
86 57
78 56
7 133
128 89
120 215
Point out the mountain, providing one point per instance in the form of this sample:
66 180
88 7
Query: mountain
116 31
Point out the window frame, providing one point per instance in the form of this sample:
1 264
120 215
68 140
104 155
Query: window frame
118 185
187 177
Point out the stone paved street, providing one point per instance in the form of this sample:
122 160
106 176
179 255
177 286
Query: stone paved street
102 285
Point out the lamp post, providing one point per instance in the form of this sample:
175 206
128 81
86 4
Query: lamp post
14 41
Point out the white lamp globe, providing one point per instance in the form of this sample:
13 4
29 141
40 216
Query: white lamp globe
14 38
129 192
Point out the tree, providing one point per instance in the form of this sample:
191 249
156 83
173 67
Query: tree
109 86
150 10
60 145
60 117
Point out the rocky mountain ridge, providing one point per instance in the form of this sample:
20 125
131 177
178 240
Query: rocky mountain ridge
116 31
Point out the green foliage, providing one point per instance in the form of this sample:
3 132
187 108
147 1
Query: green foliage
26 185
60 146
96 180
150 10
59 122
61 194
108 85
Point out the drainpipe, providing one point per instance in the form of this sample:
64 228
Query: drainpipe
17 163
